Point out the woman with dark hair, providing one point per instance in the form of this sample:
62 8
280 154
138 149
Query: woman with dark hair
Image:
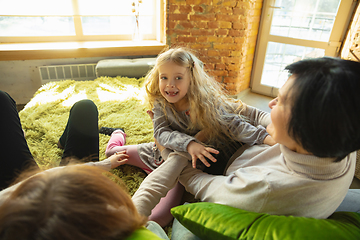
315 122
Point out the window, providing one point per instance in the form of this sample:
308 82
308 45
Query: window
79 20
291 30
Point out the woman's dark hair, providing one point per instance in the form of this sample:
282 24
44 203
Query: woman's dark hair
73 202
325 114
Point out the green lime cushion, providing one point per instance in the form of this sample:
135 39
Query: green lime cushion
214 221
143 234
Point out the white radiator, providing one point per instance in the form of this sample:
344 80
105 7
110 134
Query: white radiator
64 72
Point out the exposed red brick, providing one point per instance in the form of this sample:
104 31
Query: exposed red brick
171 24
202 39
225 10
209 66
186 39
229 46
198 2
213 24
200 45
233 67
177 2
238 26
186 24
213 52
226 17
202 17
212 38
175 16
236 33
218 72
185 8
198 9
173 7
202 32
220 66
232 73
200 25
229 3
224 24
178 32
223 34
240 11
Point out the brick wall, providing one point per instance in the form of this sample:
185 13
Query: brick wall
222 32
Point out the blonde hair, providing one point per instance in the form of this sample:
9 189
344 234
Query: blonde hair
73 202
209 104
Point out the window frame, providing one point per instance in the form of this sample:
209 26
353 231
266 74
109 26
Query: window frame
30 48
79 36
331 47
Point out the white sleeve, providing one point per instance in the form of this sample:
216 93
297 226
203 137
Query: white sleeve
245 188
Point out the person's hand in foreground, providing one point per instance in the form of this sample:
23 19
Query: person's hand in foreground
118 158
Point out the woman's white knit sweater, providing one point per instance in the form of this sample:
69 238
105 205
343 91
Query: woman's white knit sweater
264 179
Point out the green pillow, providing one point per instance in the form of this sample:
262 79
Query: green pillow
215 221
143 233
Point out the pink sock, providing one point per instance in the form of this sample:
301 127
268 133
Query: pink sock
117 139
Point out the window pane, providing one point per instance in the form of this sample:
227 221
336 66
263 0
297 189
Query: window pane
278 56
116 25
115 7
36 26
35 7
107 25
304 19
107 7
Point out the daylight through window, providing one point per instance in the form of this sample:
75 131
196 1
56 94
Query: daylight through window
78 20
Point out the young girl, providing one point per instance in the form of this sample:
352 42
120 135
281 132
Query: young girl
191 113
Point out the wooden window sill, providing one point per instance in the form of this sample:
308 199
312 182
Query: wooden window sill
31 51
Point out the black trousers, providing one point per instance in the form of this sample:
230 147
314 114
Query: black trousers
80 138
15 155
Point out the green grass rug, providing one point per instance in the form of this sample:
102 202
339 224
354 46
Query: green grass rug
120 102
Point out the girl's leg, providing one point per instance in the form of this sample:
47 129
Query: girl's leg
134 158
15 153
80 138
161 212
117 139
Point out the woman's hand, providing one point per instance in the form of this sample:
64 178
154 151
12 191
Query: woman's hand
269 140
198 151
118 158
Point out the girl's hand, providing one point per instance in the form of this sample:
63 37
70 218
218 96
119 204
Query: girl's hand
269 140
118 159
198 151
